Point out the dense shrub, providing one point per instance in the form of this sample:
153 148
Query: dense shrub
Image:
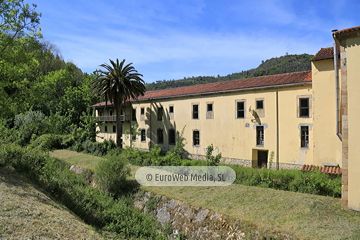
47 142
136 157
94 148
28 126
151 158
90 204
23 160
111 174
98 148
290 180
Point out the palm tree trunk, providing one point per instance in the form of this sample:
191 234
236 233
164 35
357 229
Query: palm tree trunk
118 123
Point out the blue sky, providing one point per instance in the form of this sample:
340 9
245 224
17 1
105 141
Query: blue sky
175 39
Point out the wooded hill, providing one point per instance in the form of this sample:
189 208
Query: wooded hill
278 65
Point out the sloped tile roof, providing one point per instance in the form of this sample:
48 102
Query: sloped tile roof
323 169
347 30
242 84
325 53
102 104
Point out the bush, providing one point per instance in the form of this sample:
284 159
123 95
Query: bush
72 190
95 148
212 160
47 142
290 180
111 174
27 126
287 180
136 157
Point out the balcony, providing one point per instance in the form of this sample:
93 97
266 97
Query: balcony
123 118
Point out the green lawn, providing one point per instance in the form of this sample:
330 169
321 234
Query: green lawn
78 159
305 216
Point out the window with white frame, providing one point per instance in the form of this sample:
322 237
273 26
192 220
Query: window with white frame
260 135
304 107
143 135
259 104
304 136
240 109
196 138
195 111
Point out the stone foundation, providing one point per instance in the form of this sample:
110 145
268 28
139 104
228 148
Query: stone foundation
245 162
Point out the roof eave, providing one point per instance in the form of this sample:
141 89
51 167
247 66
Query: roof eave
319 59
225 91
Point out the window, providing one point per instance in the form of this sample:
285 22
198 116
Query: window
143 135
240 111
304 107
105 128
172 136
259 135
111 112
195 113
159 113
133 114
142 111
171 109
196 138
210 110
114 129
260 104
304 136
160 136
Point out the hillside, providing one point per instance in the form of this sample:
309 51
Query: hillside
278 65
26 213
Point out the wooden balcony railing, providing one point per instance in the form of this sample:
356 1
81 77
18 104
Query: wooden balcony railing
123 118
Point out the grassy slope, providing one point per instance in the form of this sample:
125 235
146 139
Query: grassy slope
26 213
78 159
303 215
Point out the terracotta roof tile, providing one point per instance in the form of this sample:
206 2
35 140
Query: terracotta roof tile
325 53
102 104
242 84
265 81
347 30
323 169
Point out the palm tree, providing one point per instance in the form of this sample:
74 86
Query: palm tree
118 84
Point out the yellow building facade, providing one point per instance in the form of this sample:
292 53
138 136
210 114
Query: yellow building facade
279 121
349 42
248 121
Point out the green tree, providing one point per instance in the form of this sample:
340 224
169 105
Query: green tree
118 84
17 19
132 134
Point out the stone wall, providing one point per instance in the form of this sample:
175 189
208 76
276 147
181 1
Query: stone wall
198 223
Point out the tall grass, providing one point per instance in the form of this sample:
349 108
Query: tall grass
92 205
